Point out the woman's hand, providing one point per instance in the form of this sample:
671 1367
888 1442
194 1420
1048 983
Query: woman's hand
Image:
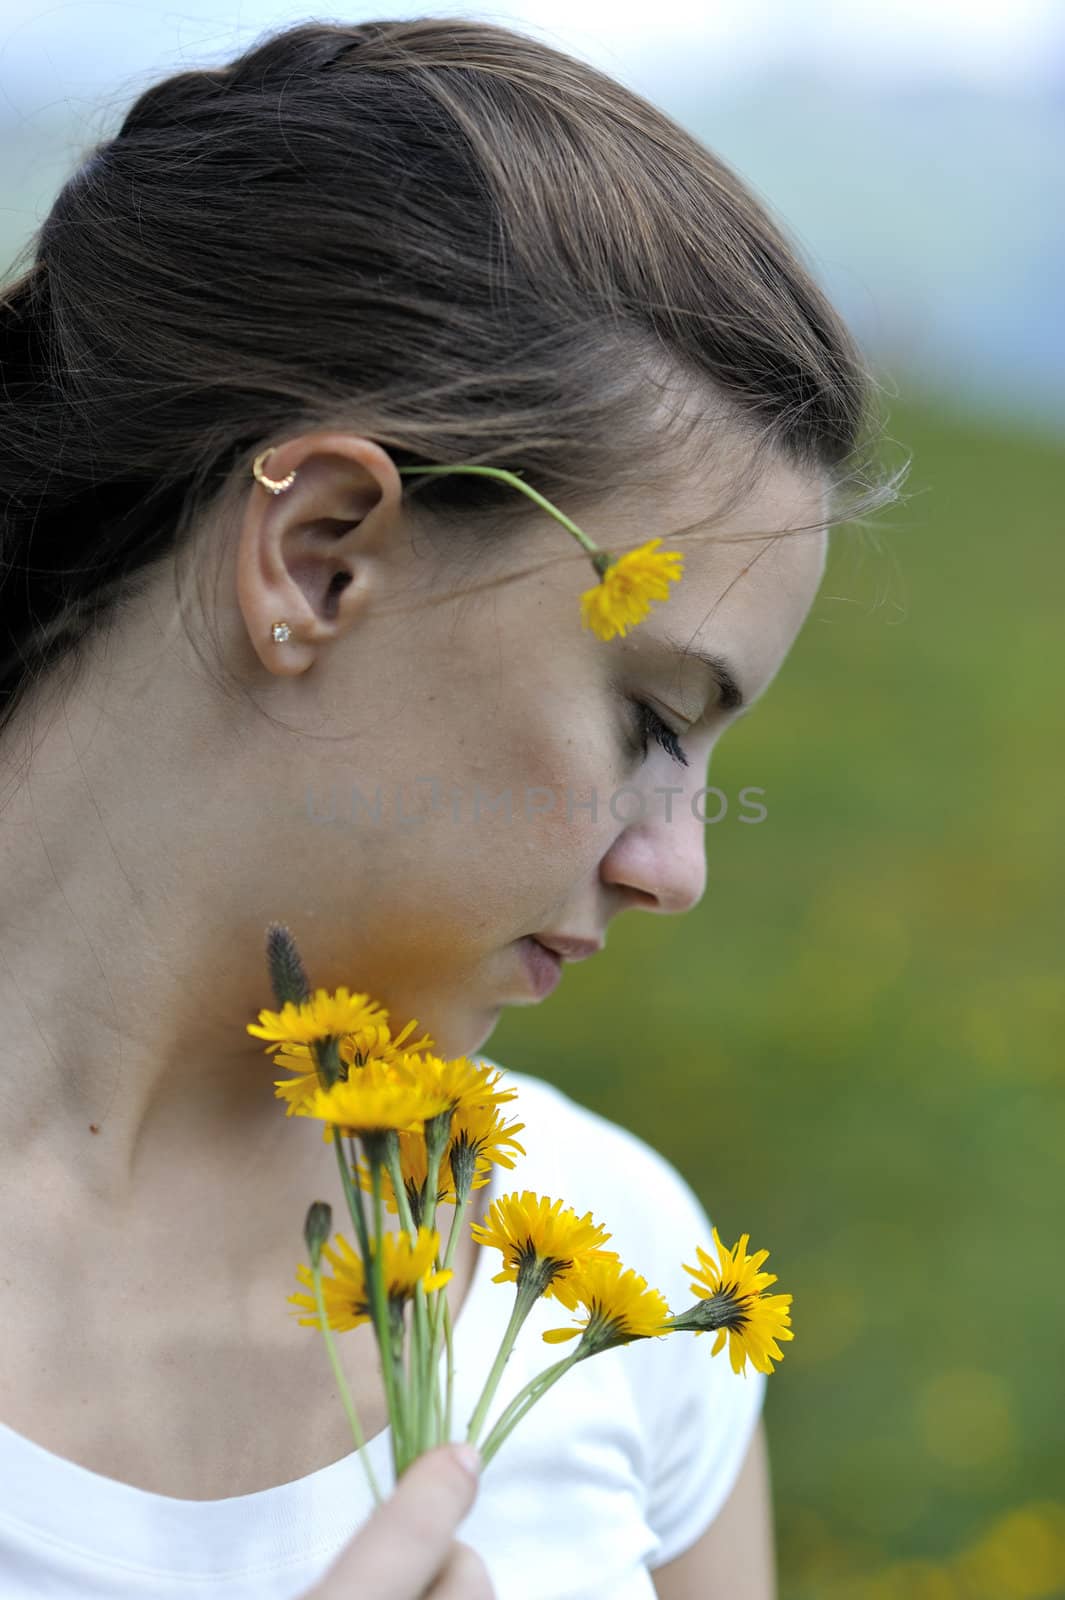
405 1551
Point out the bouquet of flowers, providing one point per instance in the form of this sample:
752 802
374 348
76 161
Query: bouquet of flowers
413 1131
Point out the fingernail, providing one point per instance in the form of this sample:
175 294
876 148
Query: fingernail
469 1457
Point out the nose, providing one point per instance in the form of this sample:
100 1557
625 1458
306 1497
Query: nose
659 857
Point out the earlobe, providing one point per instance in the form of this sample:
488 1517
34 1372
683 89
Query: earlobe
293 604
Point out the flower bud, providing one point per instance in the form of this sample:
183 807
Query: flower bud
286 969
317 1228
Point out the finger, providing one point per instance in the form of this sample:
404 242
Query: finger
465 1577
404 1544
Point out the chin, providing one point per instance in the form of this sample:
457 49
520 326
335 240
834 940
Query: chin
465 1035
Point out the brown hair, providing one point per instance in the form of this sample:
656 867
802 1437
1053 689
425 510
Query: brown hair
447 235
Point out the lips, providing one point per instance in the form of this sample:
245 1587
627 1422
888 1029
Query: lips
572 948
543 966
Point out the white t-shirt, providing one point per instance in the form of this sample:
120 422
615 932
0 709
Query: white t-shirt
620 1467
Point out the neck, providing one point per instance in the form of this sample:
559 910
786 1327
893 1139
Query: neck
125 1061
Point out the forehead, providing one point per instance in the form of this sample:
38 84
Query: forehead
748 581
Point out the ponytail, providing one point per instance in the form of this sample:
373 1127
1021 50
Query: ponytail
69 540
53 567
33 597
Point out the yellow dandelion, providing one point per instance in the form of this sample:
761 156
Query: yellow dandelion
733 1303
414 1167
371 1042
324 1016
297 1091
376 1042
478 1134
619 1304
623 595
479 1130
378 1100
409 1262
541 1243
345 1295
463 1081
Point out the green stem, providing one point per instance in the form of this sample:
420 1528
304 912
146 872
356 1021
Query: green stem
441 1307
529 1390
431 1184
450 1371
509 477
378 1302
327 1059
436 1422
416 1381
514 1412
523 1304
443 1319
399 1188
352 1195
394 1391
430 1223
437 1306
420 1377
341 1382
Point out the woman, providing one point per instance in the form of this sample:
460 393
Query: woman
352 252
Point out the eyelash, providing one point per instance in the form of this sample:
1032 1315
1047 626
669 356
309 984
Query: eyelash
650 725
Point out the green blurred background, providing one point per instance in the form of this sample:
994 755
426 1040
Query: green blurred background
855 1041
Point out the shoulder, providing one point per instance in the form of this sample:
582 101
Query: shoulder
691 1418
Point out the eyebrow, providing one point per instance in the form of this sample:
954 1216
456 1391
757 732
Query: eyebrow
731 697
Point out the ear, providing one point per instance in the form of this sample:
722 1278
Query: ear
311 556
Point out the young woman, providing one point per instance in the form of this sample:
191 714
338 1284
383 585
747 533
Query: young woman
366 249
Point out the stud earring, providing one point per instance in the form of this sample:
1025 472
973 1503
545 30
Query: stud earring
275 485
280 632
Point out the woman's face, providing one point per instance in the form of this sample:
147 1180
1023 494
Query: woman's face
481 778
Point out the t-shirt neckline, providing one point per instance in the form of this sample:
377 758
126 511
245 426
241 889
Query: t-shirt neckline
123 1524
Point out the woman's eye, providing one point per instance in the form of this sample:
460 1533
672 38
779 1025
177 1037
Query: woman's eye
650 725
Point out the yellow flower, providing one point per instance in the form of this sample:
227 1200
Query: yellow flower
372 1041
541 1243
413 1164
381 1098
407 1263
299 1090
620 1307
623 595
324 1016
346 1296
461 1081
733 1293
477 1132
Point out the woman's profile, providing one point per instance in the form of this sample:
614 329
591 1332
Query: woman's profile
366 708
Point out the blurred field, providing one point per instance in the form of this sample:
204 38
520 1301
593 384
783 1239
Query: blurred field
857 1039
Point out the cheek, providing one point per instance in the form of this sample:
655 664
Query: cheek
562 796
526 787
